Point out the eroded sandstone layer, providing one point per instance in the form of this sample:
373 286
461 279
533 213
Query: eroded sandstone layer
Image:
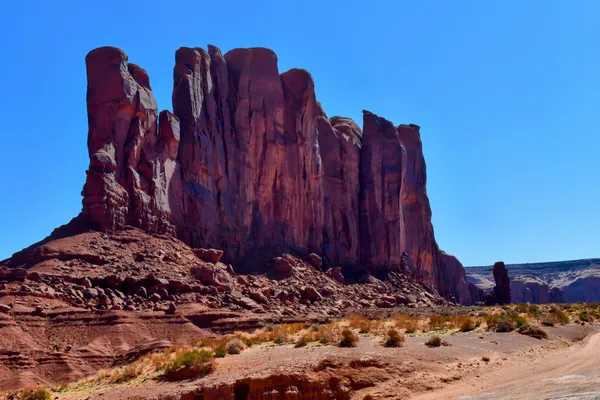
248 162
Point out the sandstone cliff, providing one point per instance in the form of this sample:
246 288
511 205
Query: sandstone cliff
248 162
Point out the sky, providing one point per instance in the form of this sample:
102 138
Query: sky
507 95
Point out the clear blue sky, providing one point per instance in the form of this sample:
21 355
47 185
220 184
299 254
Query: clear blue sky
506 94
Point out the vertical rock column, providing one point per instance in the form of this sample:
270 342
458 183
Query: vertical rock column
382 230
125 179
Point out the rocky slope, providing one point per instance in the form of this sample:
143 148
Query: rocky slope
550 282
248 162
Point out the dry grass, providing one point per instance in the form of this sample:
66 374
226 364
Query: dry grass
533 331
198 359
408 323
349 338
125 374
394 339
434 341
28 394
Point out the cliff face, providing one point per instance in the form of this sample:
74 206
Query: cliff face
249 163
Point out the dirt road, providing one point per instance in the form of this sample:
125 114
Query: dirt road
572 373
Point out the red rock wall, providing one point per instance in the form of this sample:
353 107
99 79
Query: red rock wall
249 163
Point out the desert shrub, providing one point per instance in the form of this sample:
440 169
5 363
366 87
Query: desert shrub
394 339
522 308
593 306
349 338
466 323
327 334
217 344
304 339
485 358
248 340
585 316
235 346
125 374
280 336
533 331
504 323
438 322
555 316
356 321
434 341
406 322
35 394
190 364
533 309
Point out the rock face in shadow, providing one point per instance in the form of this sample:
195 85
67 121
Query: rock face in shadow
529 289
249 163
502 288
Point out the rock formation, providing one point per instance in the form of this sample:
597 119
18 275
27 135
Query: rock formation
249 163
529 289
502 288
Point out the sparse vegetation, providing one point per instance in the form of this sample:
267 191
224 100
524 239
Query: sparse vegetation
198 359
394 338
504 322
349 338
235 346
533 331
434 341
35 394
125 374
190 364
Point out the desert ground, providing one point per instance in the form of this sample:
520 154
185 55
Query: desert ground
554 358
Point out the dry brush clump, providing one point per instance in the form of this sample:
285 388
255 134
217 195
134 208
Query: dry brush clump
28 394
434 341
409 323
349 338
394 338
533 331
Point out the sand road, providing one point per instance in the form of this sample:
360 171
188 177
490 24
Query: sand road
572 373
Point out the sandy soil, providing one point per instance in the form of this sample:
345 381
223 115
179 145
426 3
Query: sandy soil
570 373
564 364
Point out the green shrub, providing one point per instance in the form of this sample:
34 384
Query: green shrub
36 394
504 323
191 364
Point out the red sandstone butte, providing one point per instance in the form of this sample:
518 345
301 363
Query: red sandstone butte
249 163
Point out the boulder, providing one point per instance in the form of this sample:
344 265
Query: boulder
315 260
311 294
281 268
212 275
336 273
211 255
